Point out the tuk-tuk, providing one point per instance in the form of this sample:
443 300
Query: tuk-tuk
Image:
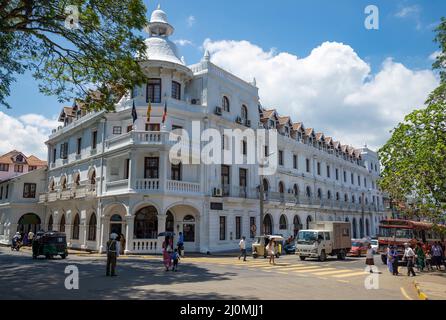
260 243
50 244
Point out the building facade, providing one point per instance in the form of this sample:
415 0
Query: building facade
108 173
15 163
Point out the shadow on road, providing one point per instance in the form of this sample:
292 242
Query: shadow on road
24 278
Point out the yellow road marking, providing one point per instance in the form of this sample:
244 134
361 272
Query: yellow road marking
362 273
306 269
326 273
404 293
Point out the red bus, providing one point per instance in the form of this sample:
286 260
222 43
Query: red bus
398 232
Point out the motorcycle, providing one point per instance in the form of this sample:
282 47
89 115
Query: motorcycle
16 245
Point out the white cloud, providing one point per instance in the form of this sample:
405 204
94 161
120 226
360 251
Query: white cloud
331 90
191 21
408 11
27 134
413 12
184 42
434 55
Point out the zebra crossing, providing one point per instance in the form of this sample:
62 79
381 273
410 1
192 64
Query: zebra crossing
287 267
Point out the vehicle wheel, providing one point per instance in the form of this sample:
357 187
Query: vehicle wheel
63 256
323 256
341 255
302 258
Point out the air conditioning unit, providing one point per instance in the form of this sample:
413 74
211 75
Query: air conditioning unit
217 192
248 123
195 101
239 120
218 111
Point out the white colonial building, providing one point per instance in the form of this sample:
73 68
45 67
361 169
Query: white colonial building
106 173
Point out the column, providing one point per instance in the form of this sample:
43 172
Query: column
129 234
132 171
161 228
163 163
83 228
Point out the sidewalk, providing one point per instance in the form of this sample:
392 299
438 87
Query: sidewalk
431 285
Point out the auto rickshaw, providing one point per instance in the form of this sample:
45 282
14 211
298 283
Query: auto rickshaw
50 244
260 243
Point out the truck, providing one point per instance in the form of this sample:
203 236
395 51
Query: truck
324 238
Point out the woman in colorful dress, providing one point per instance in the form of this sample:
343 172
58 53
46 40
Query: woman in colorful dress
421 257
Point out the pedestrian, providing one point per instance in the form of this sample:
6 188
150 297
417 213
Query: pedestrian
175 257
25 239
270 248
180 244
409 256
390 259
421 257
395 259
30 236
112 255
166 259
436 255
122 244
242 246
370 260
428 261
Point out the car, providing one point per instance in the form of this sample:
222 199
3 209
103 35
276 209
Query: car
375 245
290 248
358 248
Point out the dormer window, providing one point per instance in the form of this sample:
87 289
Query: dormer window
226 104
272 124
244 113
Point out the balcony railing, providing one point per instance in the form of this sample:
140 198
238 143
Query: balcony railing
182 186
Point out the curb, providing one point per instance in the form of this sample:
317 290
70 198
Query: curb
421 294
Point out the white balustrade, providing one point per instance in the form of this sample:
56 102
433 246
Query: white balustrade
145 246
147 184
182 186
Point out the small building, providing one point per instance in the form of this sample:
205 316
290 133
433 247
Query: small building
15 163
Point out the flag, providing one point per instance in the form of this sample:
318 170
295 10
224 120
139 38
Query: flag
165 112
134 114
149 111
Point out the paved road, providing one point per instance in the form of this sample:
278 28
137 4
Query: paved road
144 277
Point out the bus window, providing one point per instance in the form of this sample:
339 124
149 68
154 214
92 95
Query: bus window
404 233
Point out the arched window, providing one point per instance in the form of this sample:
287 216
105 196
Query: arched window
297 225
309 219
77 179
93 178
265 185
345 197
353 199
338 197
50 223
62 224
296 190
347 219
281 187
328 194
366 200
225 103
146 223
76 224
92 225
268 224
63 182
308 192
29 222
282 222
319 193
244 113
355 230
361 227
170 222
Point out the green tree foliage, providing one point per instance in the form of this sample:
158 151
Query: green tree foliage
70 62
414 159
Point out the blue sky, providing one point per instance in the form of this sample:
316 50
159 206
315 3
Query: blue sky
286 26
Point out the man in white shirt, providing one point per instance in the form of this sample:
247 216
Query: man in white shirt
409 254
30 236
242 245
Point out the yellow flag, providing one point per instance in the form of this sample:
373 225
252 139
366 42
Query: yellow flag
149 111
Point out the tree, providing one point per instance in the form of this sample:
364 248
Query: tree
72 47
414 159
